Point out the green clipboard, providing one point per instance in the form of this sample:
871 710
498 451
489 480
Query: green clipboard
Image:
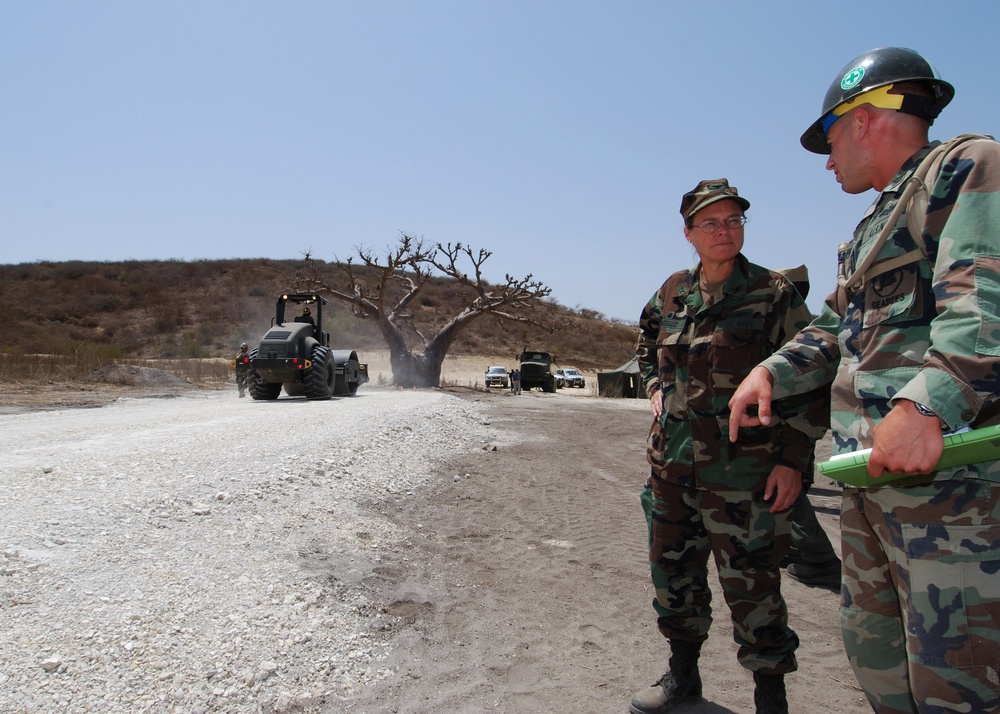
967 447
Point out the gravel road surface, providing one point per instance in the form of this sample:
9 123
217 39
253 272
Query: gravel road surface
426 552
203 553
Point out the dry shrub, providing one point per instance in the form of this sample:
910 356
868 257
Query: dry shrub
86 315
34 369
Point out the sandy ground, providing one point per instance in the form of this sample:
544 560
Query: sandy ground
528 587
523 583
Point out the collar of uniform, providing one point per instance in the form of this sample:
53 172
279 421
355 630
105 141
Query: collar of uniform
907 169
736 283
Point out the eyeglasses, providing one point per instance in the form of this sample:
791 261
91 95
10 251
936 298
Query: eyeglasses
713 225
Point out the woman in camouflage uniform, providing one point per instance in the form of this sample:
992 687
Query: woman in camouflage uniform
700 335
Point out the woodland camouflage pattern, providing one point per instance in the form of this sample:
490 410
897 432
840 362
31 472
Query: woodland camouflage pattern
891 342
697 356
705 494
943 546
928 332
685 527
242 367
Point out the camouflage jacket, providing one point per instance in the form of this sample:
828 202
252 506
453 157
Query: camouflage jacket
696 356
928 331
242 361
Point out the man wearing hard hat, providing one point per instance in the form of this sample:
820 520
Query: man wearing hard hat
910 340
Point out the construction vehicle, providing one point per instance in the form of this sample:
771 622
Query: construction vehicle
295 355
536 371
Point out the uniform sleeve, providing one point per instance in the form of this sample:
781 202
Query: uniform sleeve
808 361
804 417
961 369
645 351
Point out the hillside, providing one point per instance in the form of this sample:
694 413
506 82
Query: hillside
200 309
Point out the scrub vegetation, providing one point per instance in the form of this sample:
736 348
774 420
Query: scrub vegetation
62 320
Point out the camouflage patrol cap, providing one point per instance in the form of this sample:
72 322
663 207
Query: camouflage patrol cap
708 192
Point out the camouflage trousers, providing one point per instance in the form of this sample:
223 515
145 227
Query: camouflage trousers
241 381
920 600
747 542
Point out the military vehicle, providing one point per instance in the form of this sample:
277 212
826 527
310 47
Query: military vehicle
536 371
296 356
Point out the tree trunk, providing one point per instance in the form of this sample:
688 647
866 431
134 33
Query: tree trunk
416 370
424 369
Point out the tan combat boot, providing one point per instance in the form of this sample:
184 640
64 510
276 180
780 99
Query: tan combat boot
681 683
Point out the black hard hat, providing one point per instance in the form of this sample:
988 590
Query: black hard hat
880 67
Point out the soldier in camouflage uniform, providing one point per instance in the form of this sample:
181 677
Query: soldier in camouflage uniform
912 349
700 334
242 366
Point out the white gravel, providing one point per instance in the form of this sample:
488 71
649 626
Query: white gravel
207 553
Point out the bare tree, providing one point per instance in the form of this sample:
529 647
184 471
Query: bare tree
386 290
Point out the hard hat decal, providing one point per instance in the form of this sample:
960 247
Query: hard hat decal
852 78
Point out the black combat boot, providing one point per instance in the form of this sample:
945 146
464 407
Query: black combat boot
769 693
681 683
825 574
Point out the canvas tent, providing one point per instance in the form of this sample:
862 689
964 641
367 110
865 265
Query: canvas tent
622 382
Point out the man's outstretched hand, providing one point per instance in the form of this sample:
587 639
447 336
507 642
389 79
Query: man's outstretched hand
755 390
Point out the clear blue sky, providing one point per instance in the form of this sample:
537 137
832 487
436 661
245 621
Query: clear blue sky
559 135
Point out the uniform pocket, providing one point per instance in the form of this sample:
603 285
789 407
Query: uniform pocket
891 297
673 347
987 277
953 584
733 353
656 445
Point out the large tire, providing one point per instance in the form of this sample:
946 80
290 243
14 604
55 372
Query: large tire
259 389
346 369
318 383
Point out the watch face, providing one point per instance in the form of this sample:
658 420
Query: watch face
926 411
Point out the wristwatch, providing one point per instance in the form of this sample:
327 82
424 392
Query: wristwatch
926 411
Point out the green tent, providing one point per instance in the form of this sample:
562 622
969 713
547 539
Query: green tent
624 382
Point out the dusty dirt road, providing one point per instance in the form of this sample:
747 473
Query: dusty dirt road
518 581
526 589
